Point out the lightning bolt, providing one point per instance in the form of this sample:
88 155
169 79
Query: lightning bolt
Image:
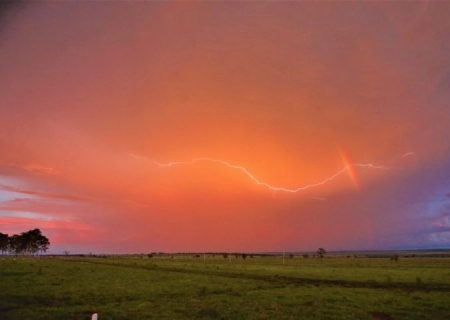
261 183
407 154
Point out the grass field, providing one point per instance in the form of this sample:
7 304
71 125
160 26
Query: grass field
166 287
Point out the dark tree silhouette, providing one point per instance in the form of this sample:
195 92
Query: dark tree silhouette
27 243
14 244
321 252
3 243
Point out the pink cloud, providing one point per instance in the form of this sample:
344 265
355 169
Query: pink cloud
33 168
49 195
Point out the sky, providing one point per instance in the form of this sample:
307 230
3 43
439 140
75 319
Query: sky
137 127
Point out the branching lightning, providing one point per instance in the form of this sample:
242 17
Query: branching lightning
407 154
261 183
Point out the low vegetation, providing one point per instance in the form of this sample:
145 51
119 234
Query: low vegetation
159 286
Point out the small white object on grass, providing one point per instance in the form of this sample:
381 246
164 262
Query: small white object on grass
94 316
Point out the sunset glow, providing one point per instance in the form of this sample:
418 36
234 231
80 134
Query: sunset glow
226 126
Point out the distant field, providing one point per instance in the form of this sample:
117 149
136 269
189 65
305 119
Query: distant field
166 287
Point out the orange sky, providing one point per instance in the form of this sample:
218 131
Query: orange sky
313 125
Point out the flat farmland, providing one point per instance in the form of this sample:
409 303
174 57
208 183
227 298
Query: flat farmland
211 287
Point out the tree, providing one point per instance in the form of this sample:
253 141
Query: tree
225 255
3 243
321 252
34 242
26 243
14 244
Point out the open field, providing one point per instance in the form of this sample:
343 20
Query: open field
177 287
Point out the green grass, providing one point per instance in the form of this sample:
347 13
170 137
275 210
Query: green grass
258 288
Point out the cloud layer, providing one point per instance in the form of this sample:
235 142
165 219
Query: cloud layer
292 92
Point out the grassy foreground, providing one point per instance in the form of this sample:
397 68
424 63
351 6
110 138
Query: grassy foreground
255 288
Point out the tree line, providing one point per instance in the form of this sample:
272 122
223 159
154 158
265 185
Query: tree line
27 243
